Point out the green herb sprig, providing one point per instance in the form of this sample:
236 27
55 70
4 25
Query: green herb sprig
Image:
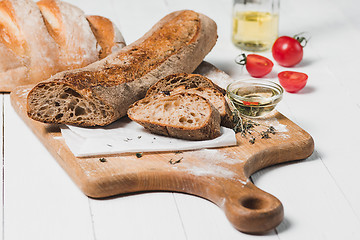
248 127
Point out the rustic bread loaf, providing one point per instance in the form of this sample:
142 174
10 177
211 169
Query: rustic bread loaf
182 115
172 81
41 39
102 92
215 97
24 33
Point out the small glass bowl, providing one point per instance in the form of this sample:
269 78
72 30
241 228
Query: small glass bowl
254 97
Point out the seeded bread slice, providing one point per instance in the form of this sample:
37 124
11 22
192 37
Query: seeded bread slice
215 97
170 82
183 115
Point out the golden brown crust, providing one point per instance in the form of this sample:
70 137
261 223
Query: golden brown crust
177 43
70 29
9 29
182 79
55 32
105 34
142 58
46 37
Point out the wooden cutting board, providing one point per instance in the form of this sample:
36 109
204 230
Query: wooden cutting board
219 175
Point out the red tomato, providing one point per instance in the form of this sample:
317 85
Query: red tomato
258 66
287 51
292 81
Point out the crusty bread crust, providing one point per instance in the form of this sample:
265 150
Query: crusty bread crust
107 35
171 123
177 43
70 29
34 46
10 34
26 36
172 81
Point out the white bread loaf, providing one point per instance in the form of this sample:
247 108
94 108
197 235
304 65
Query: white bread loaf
77 42
37 44
25 34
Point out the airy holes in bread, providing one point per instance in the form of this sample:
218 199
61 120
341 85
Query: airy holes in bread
170 110
67 105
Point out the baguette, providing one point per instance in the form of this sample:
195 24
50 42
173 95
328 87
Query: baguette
102 92
183 115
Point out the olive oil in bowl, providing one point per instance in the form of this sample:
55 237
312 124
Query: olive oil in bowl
254 97
253 30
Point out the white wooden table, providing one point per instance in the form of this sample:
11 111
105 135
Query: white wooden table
321 195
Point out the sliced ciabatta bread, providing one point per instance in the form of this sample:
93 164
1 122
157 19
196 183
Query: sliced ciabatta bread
215 97
170 82
182 115
103 91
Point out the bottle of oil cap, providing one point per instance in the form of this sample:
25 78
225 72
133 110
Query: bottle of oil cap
255 24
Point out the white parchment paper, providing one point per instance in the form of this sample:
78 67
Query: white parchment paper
125 136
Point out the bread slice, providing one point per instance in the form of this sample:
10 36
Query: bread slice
107 35
103 91
215 97
182 115
181 79
70 29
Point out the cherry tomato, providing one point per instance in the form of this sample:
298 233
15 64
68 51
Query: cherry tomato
292 81
256 65
288 51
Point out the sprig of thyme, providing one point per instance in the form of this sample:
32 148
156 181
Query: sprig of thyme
248 127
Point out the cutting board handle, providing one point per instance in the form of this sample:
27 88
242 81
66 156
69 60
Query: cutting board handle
252 210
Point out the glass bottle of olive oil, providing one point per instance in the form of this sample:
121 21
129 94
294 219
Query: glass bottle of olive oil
255 24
